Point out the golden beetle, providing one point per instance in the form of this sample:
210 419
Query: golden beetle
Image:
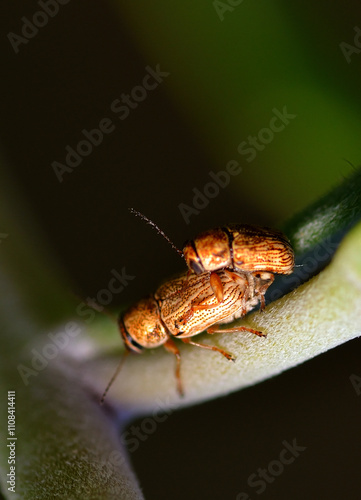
240 247
185 306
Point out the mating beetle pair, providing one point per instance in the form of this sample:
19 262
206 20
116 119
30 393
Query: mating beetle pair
230 269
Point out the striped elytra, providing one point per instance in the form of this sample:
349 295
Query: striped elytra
241 247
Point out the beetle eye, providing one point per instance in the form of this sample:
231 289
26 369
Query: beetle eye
196 267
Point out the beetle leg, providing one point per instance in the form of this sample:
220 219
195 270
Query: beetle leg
217 286
217 289
246 280
234 276
215 329
196 307
263 289
226 354
173 349
263 302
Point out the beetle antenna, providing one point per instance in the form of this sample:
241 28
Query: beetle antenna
154 226
116 373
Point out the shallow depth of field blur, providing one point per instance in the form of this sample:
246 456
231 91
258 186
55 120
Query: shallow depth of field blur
272 88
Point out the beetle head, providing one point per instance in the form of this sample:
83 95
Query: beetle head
208 252
141 326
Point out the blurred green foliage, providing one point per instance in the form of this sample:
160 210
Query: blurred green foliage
232 63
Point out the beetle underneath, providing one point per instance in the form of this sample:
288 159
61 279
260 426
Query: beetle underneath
186 306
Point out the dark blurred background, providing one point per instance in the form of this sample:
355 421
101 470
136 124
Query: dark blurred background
230 66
